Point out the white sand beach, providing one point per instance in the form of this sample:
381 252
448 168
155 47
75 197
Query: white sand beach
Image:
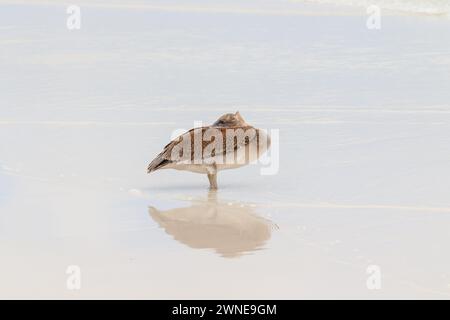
364 149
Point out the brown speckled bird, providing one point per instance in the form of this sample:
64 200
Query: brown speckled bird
228 143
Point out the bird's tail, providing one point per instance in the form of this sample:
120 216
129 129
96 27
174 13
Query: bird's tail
157 163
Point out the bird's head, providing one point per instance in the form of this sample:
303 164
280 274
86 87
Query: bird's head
230 120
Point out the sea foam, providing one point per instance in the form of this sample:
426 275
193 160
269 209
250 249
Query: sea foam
432 7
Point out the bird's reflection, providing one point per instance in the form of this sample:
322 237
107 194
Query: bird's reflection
230 229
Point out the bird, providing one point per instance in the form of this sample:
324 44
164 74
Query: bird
229 143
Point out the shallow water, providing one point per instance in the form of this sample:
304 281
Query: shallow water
363 179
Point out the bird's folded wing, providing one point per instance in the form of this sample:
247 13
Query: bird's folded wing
199 144
229 140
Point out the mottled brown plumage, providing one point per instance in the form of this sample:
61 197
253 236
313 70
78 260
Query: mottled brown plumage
205 149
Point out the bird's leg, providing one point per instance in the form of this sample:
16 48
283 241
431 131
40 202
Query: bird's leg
211 170
212 177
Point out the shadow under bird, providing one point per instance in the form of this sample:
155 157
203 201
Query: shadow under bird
228 143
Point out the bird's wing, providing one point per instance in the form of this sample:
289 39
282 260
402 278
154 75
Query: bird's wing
233 139
191 146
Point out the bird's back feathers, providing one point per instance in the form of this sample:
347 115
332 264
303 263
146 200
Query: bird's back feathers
198 140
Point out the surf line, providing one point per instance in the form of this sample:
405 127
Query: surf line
360 206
